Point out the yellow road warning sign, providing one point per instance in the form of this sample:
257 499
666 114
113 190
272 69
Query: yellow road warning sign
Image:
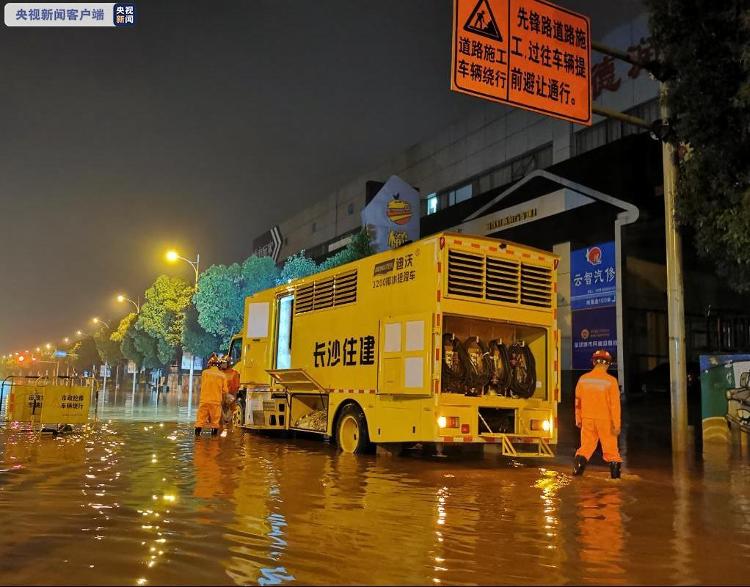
526 53
49 404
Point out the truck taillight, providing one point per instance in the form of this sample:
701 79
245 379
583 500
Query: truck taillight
448 422
464 428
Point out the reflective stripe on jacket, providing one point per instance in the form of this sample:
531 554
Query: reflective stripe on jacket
598 397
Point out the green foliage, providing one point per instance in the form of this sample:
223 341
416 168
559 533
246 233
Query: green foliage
357 248
708 45
147 347
108 350
296 267
87 354
162 317
220 301
258 273
195 339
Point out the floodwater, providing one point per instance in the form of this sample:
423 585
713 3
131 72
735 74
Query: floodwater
135 499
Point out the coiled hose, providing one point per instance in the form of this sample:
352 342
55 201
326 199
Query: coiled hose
523 367
501 371
477 365
453 368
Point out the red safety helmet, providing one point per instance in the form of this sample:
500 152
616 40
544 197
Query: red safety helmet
601 356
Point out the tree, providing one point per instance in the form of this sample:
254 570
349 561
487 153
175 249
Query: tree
258 273
707 46
108 350
357 248
296 267
220 301
147 347
162 318
87 355
195 339
124 335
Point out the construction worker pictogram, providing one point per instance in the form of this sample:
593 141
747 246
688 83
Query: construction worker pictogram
482 22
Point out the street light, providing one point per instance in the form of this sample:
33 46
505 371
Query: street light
172 257
98 321
48 346
121 298
66 340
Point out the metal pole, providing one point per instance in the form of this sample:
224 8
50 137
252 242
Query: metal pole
192 359
135 377
675 294
104 388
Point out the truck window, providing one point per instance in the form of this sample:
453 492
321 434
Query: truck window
235 351
284 332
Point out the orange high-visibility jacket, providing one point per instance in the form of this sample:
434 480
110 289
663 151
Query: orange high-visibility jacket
213 386
233 379
598 397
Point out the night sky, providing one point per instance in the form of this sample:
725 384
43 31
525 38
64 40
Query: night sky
200 128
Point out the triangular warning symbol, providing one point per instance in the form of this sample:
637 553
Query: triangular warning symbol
482 22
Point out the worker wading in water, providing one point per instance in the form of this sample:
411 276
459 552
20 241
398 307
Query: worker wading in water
229 402
213 388
598 415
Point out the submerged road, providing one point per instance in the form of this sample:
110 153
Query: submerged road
136 499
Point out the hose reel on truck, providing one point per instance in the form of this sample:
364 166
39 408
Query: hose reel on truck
474 368
523 370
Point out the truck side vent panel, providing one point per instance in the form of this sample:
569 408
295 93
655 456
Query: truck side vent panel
502 280
536 286
499 279
465 274
345 288
304 299
325 293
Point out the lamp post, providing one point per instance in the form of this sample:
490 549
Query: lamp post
106 365
121 298
172 256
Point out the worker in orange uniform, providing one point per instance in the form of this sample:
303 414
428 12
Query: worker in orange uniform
598 415
229 402
213 388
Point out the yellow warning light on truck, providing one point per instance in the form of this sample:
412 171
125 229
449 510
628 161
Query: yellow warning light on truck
451 339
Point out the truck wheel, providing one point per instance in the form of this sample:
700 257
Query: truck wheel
351 430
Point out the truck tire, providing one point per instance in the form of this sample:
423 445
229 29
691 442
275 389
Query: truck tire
351 430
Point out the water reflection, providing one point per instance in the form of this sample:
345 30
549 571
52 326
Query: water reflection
140 500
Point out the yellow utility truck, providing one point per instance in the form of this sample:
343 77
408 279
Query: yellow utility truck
450 339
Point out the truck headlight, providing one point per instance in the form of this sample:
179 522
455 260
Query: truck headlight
442 421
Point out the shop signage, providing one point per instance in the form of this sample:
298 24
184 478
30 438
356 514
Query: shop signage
593 286
392 216
268 244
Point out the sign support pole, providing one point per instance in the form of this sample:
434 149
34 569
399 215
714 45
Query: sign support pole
675 294
675 285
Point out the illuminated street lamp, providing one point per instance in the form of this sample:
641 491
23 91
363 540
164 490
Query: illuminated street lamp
48 346
66 340
98 321
172 257
121 298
